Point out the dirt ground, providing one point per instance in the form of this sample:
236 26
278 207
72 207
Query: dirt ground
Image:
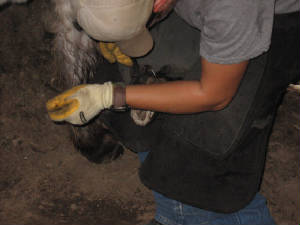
44 180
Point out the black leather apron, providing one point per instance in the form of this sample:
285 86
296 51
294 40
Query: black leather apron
214 160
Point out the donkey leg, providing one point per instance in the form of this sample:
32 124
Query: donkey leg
77 59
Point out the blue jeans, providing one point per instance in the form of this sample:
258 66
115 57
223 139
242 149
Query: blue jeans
172 212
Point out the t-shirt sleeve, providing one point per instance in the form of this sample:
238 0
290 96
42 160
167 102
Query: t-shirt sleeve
236 30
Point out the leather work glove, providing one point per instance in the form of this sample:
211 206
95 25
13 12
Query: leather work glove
81 103
112 53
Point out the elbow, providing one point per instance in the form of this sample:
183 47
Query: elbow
214 100
218 101
221 104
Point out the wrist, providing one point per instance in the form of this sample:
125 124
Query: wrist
119 97
101 95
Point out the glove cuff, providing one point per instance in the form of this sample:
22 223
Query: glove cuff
119 97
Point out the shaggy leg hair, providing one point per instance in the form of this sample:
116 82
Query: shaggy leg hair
74 51
96 142
76 59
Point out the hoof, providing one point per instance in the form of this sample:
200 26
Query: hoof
96 142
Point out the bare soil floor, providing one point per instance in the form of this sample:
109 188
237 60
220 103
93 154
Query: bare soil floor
44 180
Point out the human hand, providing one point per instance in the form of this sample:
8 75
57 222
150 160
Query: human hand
81 103
112 53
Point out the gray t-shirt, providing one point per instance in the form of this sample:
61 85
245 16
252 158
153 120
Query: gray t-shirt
286 6
231 30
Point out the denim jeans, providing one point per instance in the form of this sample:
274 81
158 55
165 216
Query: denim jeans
172 212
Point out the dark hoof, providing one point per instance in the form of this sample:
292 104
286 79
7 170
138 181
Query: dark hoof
96 143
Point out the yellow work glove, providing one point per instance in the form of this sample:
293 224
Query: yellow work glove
112 53
81 103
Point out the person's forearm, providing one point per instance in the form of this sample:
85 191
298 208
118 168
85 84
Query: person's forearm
214 91
172 97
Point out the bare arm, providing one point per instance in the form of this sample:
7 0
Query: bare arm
215 89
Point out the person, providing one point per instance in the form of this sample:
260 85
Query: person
203 156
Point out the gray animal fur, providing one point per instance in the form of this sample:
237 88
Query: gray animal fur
74 51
